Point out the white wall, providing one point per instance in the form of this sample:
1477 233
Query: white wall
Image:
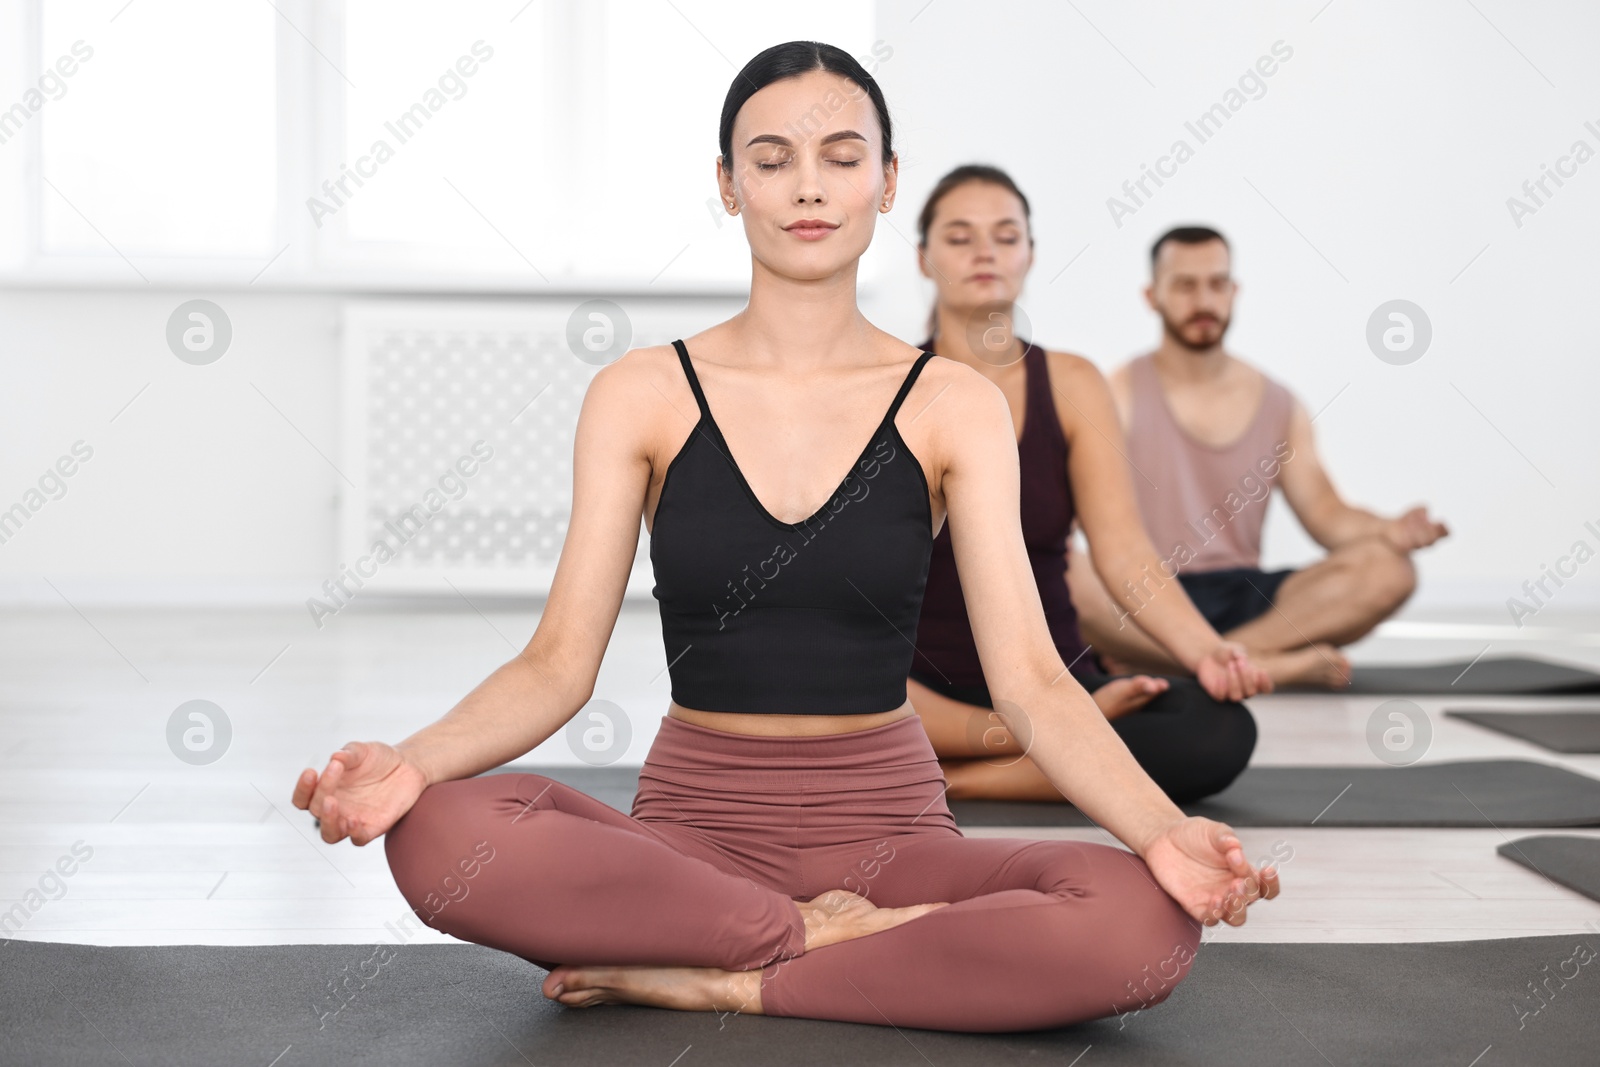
199 488
1376 165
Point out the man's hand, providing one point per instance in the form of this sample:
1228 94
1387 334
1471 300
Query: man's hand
1413 530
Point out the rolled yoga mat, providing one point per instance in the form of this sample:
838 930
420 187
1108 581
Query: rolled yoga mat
1565 859
1242 1005
1497 676
1568 730
1469 793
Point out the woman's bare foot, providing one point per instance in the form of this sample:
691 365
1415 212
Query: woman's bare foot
840 915
679 988
835 916
958 778
1120 696
1321 666
1116 665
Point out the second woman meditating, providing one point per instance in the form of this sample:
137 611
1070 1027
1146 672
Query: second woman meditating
1190 734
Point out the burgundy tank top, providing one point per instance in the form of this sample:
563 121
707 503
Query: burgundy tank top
947 655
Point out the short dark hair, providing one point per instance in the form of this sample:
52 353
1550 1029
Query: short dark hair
1186 235
790 60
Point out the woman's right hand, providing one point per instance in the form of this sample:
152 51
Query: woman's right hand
363 791
1228 673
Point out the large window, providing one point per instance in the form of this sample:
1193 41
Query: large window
561 144
161 135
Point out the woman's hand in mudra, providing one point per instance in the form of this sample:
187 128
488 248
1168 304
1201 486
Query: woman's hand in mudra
364 790
1228 673
1201 865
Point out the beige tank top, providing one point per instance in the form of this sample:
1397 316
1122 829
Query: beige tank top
1207 505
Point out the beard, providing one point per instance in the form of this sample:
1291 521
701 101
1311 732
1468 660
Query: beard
1174 332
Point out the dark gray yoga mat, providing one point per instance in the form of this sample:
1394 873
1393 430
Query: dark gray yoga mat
1470 793
1243 1005
1490 676
1569 730
1457 793
1565 859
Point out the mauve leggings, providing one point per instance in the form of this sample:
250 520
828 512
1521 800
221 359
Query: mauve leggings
728 830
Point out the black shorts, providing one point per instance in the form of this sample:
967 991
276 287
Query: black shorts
1233 596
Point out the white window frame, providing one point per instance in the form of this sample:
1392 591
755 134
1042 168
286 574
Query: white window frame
310 137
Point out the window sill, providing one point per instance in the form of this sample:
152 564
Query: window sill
233 278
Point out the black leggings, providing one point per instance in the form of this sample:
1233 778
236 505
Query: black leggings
1190 744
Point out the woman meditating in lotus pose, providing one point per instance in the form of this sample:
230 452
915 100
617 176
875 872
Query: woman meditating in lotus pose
1190 734
789 850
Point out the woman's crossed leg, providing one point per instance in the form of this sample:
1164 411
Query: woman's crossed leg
1034 934
1038 934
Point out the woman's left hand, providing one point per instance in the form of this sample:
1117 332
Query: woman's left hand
1201 865
1228 673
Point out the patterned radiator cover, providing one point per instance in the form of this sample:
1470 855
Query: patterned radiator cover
430 389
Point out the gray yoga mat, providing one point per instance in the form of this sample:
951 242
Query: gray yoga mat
1565 859
1458 793
1490 676
1568 730
1243 1005
1470 793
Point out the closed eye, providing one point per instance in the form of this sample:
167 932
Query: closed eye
840 162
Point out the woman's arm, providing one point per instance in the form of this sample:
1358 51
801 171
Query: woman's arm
1198 861
368 786
1120 548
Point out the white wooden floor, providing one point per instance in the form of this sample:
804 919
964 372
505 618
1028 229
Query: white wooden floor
216 854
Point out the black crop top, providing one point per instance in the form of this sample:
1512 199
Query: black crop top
817 617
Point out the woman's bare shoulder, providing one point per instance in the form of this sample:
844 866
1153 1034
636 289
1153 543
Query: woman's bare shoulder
953 377
1083 395
640 403
959 408
1072 367
641 373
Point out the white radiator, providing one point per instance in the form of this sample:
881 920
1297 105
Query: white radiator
430 388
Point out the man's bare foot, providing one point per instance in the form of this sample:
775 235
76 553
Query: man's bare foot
1320 666
835 916
679 988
